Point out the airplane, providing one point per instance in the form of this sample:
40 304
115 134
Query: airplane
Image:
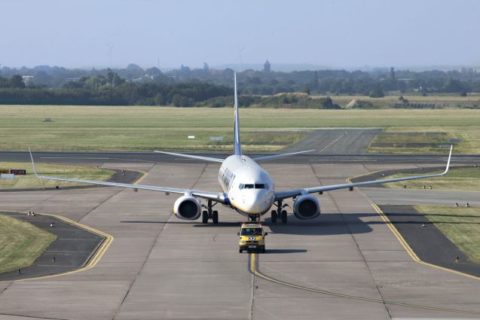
246 186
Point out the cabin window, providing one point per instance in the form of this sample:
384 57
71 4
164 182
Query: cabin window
252 186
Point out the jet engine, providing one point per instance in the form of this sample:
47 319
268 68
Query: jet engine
306 207
187 207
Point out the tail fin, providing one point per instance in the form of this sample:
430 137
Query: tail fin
236 126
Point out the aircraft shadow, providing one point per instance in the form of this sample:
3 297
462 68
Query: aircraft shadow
325 224
281 251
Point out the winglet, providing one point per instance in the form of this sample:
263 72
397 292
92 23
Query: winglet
448 161
33 163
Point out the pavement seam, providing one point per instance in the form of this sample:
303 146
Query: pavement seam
155 241
31 317
100 204
6 288
132 282
356 244
111 196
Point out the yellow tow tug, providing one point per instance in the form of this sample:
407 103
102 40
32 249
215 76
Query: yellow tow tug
252 237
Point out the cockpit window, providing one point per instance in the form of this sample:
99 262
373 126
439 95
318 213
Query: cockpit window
251 232
252 186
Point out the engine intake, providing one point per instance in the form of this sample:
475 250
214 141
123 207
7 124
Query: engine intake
187 207
306 207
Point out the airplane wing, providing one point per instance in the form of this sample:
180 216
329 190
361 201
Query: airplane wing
215 196
281 155
296 192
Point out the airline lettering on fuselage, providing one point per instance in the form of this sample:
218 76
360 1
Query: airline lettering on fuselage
227 178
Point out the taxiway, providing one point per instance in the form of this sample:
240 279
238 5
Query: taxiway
346 264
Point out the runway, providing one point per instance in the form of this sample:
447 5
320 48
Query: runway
159 267
316 157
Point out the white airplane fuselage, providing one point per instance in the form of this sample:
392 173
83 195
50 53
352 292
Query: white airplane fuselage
249 188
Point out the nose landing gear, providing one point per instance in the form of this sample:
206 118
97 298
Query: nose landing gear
210 213
279 213
254 218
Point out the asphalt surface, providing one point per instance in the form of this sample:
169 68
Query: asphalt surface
429 244
71 250
413 171
337 141
383 196
121 176
150 157
160 267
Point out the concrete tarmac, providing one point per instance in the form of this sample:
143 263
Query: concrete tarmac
159 267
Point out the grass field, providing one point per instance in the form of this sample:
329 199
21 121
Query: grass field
148 128
68 171
460 225
467 179
440 101
20 243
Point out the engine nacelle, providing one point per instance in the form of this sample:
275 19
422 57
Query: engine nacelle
187 207
306 207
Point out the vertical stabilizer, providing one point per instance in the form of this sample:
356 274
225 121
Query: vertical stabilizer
236 126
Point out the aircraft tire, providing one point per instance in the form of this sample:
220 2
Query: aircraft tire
284 217
215 217
204 217
274 217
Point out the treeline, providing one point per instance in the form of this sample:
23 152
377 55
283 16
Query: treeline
374 83
187 87
284 100
111 90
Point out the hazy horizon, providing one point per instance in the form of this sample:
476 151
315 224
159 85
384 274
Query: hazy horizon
329 34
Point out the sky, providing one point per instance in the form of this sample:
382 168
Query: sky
166 34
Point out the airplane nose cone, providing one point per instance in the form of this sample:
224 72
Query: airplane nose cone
256 203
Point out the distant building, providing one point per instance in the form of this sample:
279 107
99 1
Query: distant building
27 80
392 74
267 67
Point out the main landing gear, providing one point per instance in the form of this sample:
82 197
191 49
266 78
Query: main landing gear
279 213
209 213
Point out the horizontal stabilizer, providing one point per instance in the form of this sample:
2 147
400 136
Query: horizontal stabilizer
189 156
282 155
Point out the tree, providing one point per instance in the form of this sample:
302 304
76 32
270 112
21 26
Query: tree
17 82
376 92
